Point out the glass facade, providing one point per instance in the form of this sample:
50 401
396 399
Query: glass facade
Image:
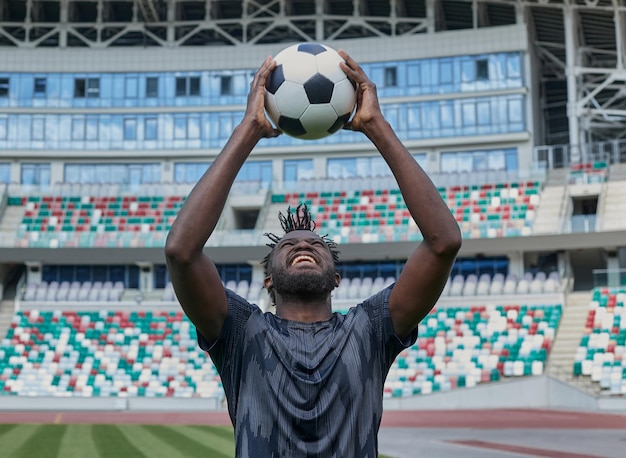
5 172
193 127
479 160
297 169
228 272
363 167
257 171
133 174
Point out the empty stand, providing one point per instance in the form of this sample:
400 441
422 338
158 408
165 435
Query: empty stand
588 172
466 346
154 354
51 221
379 215
73 291
499 284
600 355
62 353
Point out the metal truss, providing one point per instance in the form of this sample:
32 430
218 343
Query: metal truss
578 46
175 23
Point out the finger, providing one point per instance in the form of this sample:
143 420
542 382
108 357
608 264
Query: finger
350 62
274 133
263 71
344 54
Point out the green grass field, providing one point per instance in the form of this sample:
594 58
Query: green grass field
115 441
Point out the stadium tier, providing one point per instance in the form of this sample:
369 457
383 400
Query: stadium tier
349 289
79 220
74 291
487 210
601 355
466 346
63 353
366 215
154 354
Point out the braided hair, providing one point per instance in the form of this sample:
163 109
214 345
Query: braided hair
299 219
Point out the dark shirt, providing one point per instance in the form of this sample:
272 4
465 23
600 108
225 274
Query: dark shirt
306 389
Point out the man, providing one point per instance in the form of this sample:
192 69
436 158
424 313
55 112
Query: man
304 381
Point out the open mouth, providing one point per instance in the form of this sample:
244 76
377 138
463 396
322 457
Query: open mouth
303 258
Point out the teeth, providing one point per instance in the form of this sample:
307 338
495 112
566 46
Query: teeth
303 258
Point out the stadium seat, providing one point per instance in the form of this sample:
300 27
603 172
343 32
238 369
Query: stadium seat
465 346
152 354
601 352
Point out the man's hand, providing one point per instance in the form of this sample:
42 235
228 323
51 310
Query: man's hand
255 110
367 107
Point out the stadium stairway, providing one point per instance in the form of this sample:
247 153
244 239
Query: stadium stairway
568 337
10 221
548 217
614 202
7 310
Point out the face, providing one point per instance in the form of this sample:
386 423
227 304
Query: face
302 265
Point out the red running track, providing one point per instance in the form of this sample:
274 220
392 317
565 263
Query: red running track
477 419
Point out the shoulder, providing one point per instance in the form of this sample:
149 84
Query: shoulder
236 303
377 302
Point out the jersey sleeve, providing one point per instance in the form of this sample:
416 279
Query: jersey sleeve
377 307
224 347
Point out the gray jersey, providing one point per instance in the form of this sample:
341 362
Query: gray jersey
306 389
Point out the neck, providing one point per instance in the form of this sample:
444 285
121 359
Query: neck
303 311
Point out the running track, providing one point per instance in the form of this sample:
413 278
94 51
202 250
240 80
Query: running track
477 419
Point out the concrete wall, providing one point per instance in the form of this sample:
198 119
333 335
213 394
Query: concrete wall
24 403
541 392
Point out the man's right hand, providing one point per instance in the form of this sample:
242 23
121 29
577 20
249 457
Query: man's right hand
255 115
368 114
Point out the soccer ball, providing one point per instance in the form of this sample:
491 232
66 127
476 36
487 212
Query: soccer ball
307 95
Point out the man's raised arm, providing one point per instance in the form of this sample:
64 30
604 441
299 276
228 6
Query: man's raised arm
196 281
427 269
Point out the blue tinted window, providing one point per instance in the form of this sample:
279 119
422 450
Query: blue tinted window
470 161
469 113
413 75
349 167
513 66
39 87
446 113
112 173
5 172
130 129
189 172
38 128
445 72
78 128
180 127
260 171
150 128
515 111
91 128
297 169
4 86
35 174
131 87
193 127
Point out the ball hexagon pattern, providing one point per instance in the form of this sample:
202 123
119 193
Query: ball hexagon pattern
307 95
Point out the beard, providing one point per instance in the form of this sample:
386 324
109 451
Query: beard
311 285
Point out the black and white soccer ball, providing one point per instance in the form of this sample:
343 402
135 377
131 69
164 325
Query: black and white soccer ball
307 95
